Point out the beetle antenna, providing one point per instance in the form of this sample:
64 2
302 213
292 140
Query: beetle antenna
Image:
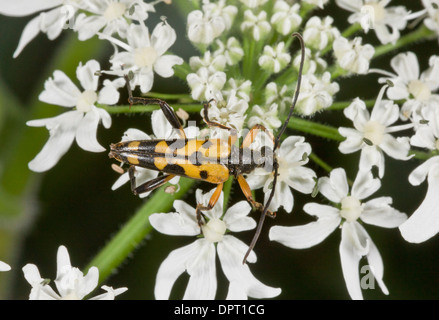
276 144
261 219
296 93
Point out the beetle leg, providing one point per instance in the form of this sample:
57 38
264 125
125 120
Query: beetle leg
213 200
166 108
248 194
251 135
148 185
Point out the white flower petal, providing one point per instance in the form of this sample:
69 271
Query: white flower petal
376 265
353 142
39 290
60 91
164 64
172 267
420 173
160 125
202 270
379 212
372 156
108 94
31 30
365 185
105 117
88 26
336 187
396 148
283 197
163 37
406 66
4 266
175 223
350 258
26 7
236 217
86 75
62 133
311 234
89 282
110 294
230 253
87 130
424 222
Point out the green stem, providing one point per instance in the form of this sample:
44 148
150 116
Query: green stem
227 189
320 162
316 129
135 230
148 108
340 105
169 96
352 29
421 155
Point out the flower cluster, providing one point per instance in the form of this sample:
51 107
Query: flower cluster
249 73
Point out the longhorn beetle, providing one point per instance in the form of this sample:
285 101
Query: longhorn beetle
210 160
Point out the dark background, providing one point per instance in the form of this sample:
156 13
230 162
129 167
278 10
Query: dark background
76 207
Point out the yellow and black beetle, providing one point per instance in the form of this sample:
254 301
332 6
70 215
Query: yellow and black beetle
210 160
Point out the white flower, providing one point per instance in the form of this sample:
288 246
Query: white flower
162 129
285 18
372 133
319 33
205 85
283 96
315 93
204 26
313 63
355 241
211 62
145 54
230 113
51 22
292 156
411 85
231 50
274 59
109 16
373 14
352 55
269 118
198 258
240 88
256 25
70 282
80 123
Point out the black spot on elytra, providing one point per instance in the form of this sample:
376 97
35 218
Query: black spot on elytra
203 174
